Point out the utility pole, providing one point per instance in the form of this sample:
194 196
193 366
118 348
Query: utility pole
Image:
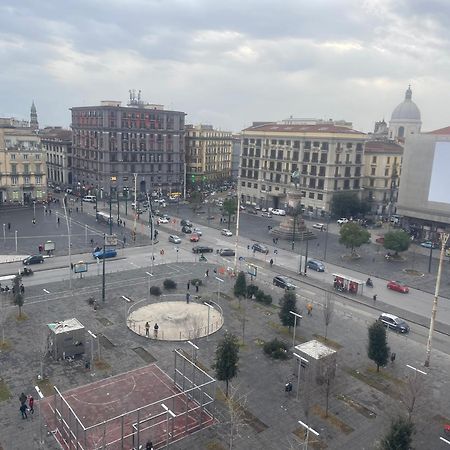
104 274
135 205
184 180
69 242
444 239
151 222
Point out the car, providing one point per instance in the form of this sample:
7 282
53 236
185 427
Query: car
447 252
108 253
242 207
283 282
318 266
226 252
397 286
33 259
226 232
320 226
194 237
278 212
394 322
266 214
186 223
257 247
429 244
186 229
342 221
252 211
174 239
197 231
202 249
379 240
163 220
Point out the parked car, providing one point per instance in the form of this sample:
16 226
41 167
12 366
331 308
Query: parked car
202 249
33 259
429 244
379 240
394 322
108 253
283 282
163 220
257 247
226 232
197 231
320 226
186 229
226 252
342 220
252 211
174 239
316 265
266 214
397 286
194 237
186 223
278 212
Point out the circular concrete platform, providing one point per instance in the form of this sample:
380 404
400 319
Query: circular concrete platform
177 321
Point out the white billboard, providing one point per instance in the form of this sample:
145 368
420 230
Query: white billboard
440 174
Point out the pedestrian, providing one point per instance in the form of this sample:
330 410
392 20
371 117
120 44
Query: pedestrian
374 298
149 445
9 226
49 211
92 242
31 404
188 297
276 240
23 410
207 273
57 220
124 223
309 307
196 286
271 262
155 331
393 355
22 398
22 289
76 209
147 329
33 221
124 240
273 240
188 285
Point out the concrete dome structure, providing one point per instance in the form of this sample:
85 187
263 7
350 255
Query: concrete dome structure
407 110
405 119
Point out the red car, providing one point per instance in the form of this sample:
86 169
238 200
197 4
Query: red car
195 237
397 286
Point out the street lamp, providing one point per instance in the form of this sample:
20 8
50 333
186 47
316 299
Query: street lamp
295 325
209 309
41 396
93 336
69 243
308 429
149 277
34 209
219 280
151 222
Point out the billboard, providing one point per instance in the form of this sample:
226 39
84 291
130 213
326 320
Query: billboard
440 180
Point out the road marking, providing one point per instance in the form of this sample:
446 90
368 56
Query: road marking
126 299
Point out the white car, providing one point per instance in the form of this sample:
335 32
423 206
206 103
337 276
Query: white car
342 220
174 239
266 214
226 232
197 231
278 212
320 226
163 220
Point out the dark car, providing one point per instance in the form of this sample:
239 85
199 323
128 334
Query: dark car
316 265
186 229
257 247
33 259
186 223
283 282
394 322
109 253
226 252
202 249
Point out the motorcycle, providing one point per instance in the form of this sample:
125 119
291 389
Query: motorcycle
26 271
369 283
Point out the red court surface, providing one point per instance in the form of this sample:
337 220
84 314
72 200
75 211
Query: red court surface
108 411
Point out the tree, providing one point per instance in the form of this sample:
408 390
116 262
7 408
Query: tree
226 359
326 374
378 350
240 286
328 310
230 207
288 303
399 436
397 241
348 204
18 297
353 235
195 199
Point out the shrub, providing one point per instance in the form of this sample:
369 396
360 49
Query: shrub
276 349
252 290
169 284
196 280
155 290
267 300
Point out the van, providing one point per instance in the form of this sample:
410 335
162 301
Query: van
278 212
89 198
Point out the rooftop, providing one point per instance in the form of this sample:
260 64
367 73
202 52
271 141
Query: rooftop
383 147
315 349
443 131
65 326
274 127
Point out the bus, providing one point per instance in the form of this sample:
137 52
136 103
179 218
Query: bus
103 217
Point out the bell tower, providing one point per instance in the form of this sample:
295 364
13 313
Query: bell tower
34 124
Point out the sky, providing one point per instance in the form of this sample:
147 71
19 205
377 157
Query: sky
228 63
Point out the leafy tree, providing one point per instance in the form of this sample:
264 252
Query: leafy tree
240 286
399 436
18 297
168 283
195 199
230 207
348 204
226 359
288 303
378 350
353 235
397 241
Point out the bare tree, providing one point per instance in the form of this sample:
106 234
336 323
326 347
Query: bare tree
325 377
412 393
328 310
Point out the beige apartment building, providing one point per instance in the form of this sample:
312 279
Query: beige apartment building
22 167
208 154
327 156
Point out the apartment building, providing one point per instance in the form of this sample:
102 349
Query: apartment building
327 157
208 154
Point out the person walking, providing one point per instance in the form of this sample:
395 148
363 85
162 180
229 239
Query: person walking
188 297
309 307
207 273
9 226
375 298
271 262
23 410
33 221
188 285
22 289
57 221
147 329
155 331
22 398
31 404
196 286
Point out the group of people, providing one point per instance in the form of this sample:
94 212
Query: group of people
24 407
155 330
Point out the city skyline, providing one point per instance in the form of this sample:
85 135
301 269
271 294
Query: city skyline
255 62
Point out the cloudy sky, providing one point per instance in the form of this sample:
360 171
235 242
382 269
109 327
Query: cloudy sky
229 62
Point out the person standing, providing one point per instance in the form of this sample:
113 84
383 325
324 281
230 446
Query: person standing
9 226
196 286
188 285
22 289
207 273
31 404
147 329
188 296
309 307
155 331
271 262
23 410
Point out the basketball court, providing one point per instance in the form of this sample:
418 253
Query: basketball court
127 410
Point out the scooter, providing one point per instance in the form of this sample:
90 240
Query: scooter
369 283
26 271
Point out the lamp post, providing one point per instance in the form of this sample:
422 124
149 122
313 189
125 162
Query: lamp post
93 336
4 233
34 209
149 277
326 237
219 280
195 349
308 429
41 396
209 309
295 325
300 360
69 241
306 256
15 239
104 269
151 222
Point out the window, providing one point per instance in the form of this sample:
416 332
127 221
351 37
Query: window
359 147
346 184
13 156
14 180
347 158
373 170
322 171
38 179
371 182
388 160
349 145
307 145
315 157
313 170
311 195
295 156
25 156
249 184
26 180
280 154
374 159
358 159
306 157
385 183
386 172
26 168
320 184
356 184
316 144
319 196
347 172
323 158
243 183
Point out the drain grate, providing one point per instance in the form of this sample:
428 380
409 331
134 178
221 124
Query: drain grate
105 342
144 354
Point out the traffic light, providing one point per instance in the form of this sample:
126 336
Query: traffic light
193 178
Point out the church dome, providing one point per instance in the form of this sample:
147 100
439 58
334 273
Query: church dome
407 110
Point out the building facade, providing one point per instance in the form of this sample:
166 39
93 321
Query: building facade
382 170
22 167
236 156
112 142
57 143
208 154
328 159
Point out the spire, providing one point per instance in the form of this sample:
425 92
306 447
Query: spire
34 124
408 93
